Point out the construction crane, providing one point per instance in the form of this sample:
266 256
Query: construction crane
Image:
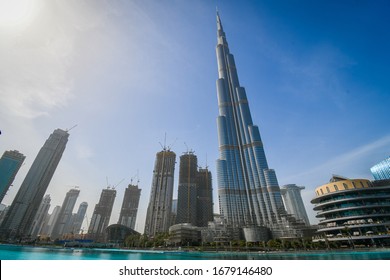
67 130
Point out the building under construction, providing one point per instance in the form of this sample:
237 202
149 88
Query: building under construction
195 202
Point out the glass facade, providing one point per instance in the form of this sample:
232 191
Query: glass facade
249 193
381 171
10 163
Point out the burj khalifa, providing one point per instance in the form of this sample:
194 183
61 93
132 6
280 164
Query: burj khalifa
249 193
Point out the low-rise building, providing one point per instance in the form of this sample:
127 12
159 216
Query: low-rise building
353 211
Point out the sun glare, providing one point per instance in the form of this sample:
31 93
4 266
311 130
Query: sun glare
17 12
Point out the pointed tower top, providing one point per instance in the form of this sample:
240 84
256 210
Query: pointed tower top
219 23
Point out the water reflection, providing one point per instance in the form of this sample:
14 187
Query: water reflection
13 252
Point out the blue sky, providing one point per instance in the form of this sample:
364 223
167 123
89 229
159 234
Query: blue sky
129 72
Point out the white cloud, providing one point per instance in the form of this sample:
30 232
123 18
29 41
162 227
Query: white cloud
344 163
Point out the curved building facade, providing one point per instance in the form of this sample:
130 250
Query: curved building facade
353 211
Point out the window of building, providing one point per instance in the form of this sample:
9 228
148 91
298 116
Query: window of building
345 186
321 191
336 187
327 189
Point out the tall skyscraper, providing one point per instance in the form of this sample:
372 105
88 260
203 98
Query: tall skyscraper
128 214
293 201
194 200
160 202
40 217
19 218
102 214
248 190
65 215
205 198
10 163
187 190
79 218
381 170
51 221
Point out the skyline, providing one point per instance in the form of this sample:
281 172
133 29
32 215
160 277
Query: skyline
315 78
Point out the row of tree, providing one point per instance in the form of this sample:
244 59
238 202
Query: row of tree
163 241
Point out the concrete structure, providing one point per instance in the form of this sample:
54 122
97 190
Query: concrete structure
158 217
204 198
353 211
40 217
195 200
10 163
187 190
249 193
101 215
381 171
18 220
129 209
292 199
64 217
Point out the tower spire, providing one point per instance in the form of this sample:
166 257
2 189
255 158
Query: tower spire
219 23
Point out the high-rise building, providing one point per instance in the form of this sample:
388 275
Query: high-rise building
51 221
187 190
18 220
174 212
128 214
102 214
292 198
194 200
381 171
249 193
65 215
10 163
158 215
79 218
205 198
40 217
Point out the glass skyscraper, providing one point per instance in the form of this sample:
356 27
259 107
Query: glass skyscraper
293 201
10 163
65 215
19 218
79 218
249 193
